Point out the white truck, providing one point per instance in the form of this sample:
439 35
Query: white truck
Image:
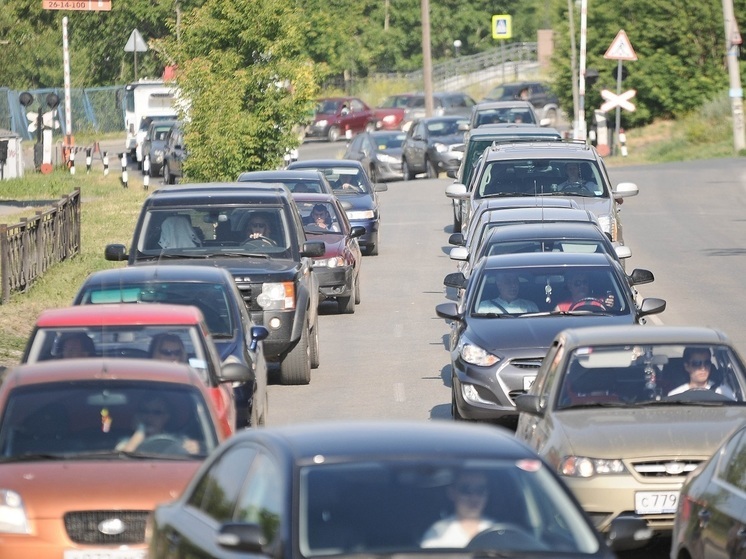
144 101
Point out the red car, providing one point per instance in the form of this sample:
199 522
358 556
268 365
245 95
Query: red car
89 447
390 113
126 331
340 117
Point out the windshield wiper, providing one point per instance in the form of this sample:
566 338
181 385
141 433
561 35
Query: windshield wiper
180 255
240 255
492 315
31 457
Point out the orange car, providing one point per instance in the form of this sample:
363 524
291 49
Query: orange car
88 447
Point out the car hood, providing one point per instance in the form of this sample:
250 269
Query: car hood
357 201
499 334
51 488
260 269
639 432
452 140
334 242
597 206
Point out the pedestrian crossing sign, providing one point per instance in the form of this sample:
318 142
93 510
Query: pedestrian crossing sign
620 48
502 27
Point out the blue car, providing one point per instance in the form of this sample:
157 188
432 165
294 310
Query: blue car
351 184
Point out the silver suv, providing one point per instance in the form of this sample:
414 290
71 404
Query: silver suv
567 169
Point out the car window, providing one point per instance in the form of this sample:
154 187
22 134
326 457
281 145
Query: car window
389 141
732 462
261 497
357 105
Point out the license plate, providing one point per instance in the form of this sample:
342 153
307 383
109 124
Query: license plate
528 382
105 554
656 502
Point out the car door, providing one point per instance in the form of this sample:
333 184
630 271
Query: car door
357 149
419 147
359 115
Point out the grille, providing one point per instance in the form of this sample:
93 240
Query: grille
665 468
82 526
249 292
526 364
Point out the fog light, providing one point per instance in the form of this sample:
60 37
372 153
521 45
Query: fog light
275 323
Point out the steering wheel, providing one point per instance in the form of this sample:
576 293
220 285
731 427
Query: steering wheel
499 307
505 535
260 240
164 443
587 304
577 186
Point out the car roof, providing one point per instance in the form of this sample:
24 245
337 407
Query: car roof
525 202
541 150
283 174
503 104
120 314
539 230
313 197
113 370
442 118
185 195
537 213
641 335
531 259
363 440
313 163
501 129
160 272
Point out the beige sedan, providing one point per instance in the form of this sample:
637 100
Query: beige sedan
625 413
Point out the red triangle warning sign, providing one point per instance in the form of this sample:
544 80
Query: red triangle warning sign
620 48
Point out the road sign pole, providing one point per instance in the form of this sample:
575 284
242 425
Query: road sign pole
618 121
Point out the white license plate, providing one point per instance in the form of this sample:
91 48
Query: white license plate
105 554
528 382
656 502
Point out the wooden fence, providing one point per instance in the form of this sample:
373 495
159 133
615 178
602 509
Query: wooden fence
31 247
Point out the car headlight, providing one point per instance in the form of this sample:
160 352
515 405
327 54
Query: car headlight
12 513
330 262
389 119
608 226
475 355
386 158
277 296
440 148
582 466
361 214
321 123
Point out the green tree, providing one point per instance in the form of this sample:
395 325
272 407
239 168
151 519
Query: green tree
247 81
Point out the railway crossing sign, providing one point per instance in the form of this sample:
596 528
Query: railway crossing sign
621 101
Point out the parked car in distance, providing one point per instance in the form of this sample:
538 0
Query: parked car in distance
88 447
451 103
130 331
666 397
537 93
351 184
390 113
338 270
431 144
296 181
478 140
211 289
504 112
253 230
143 131
497 342
174 154
350 488
379 152
711 507
154 145
340 117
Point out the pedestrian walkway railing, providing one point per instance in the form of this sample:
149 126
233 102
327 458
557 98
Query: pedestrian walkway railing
31 247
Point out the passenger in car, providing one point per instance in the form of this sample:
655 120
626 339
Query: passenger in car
579 287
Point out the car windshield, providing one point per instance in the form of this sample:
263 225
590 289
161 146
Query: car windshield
97 417
384 507
541 245
502 115
210 298
346 180
395 102
329 106
651 374
449 127
320 217
391 140
573 290
123 342
529 177
203 231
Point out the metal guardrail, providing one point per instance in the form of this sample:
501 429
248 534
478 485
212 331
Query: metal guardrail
31 247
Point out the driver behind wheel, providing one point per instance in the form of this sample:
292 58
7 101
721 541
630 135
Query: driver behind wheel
469 494
507 300
259 226
579 286
574 179
153 421
698 364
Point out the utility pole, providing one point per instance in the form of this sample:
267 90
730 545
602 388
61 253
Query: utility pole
573 64
733 42
580 130
427 61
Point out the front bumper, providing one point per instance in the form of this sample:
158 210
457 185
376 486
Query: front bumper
317 131
279 341
448 160
371 231
335 282
389 171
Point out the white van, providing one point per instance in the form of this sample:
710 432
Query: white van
144 101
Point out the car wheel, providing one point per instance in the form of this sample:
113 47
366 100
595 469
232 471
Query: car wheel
346 305
167 176
406 171
357 290
295 368
454 408
551 114
372 174
373 245
432 171
456 220
314 345
333 134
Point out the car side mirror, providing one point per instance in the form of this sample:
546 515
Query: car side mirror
451 174
257 334
456 239
545 122
242 536
115 252
235 372
357 231
313 249
639 276
380 187
449 311
456 280
530 404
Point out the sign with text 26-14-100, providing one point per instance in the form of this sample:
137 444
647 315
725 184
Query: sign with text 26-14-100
82 5
502 26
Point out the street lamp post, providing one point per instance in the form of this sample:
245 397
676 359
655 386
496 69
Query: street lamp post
457 46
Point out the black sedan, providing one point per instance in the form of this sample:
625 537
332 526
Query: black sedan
338 270
434 145
351 184
710 518
379 152
308 180
513 307
212 290
375 490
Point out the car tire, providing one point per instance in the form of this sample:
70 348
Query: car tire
295 368
168 178
454 408
406 171
346 305
372 174
373 245
357 290
333 134
431 169
314 345
456 220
